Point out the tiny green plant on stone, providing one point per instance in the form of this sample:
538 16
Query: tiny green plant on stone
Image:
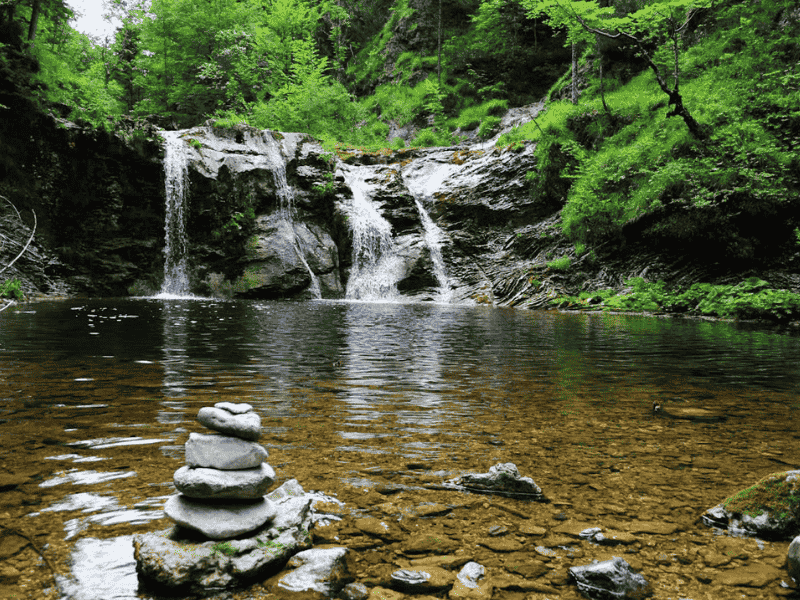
224 548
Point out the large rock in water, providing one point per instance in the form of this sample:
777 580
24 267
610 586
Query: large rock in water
610 580
219 521
769 509
223 452
502 479
244 484
173 561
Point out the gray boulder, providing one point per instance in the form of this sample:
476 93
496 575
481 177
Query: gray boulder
793 559
325 571
173 561
769 509
246 426
219 521
244 484
223 452
610 580
502 479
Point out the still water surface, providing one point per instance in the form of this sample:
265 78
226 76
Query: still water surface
355 394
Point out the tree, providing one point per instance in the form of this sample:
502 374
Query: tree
658 23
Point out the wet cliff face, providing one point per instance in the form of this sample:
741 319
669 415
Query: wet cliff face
98 199
273 215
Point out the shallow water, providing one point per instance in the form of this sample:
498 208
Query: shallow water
98 398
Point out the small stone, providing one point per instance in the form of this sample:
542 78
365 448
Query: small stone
793 559
234 408
531 528
469 584
610 579
503 544
471 573
422 579
502 478
498 530
428 544
212 484
381 593
246 426
374 527
219 521
323 570
354 591
223 452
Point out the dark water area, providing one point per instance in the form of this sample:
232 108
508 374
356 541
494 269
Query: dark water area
356 395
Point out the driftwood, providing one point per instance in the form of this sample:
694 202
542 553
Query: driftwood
33 233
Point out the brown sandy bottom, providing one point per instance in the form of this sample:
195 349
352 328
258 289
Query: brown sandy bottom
612 465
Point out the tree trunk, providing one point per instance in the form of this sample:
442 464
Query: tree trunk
439 53
574 73
34 21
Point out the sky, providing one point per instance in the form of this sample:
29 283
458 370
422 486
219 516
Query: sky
91 22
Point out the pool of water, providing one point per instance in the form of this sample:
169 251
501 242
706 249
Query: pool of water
97 398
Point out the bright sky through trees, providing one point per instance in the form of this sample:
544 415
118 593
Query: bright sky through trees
90 18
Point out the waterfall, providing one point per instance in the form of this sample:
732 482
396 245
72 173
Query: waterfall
376 269
176 177
422 178
286 202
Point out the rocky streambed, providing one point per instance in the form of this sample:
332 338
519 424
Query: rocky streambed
614 484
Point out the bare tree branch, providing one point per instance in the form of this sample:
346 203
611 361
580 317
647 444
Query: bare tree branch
33 233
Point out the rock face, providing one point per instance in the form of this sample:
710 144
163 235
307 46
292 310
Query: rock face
769 509
173 561
503 479
610 580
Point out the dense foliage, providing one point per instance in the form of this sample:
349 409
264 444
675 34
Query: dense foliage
674 120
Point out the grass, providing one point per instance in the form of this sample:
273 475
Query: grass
773 495
750 299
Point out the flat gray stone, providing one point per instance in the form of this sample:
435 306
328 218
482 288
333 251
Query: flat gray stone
246 426
223 452
213 484
219 521
323 570
235 408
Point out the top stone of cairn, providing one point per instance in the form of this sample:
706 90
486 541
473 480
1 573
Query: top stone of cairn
237 420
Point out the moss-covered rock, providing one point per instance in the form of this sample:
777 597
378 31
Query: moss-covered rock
768 509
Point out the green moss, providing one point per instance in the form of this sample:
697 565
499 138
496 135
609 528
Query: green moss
773 495
560 264
224 548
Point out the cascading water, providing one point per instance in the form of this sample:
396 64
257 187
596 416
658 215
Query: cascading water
422 178
176 170
376 269
286 206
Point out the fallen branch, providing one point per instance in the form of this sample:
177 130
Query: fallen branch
33 233
33 545
11 303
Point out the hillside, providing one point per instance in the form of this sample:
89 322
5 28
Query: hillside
672 144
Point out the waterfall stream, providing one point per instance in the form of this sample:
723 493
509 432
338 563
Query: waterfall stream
376 270
176 169
286 204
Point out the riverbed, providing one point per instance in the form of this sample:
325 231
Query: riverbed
377 405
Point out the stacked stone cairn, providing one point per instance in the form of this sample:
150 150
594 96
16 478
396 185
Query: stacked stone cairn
222 486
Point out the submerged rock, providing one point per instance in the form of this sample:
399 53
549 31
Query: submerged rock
503 479
176 561
768 509
610 580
